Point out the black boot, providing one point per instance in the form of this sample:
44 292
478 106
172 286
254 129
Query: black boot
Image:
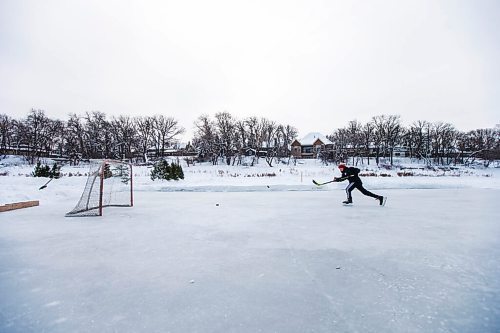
347 202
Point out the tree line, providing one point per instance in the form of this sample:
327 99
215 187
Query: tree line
93 135
89 136
226 139
435 143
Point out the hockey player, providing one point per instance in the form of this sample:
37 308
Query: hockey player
351 174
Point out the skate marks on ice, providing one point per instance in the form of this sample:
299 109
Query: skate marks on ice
243 188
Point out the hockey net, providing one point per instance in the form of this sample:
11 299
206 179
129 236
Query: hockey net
109 184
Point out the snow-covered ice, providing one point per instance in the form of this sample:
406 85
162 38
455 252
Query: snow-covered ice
277 254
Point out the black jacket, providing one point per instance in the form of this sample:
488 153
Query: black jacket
350 173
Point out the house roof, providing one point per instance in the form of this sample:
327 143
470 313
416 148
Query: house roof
311 138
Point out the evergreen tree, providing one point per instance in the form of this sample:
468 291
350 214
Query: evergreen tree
167 171
180 171
55 172
163 170
107 171
122 171
41 170
46 171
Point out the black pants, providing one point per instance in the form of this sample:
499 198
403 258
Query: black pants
360 187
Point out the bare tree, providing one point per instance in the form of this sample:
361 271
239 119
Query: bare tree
269 131
420 140
340 139
36 125
355 139
205 139
387 133
255 135
145 134
367 138
19 135
6 132
225 125
241 140
74 138
289 133
167 129
484 143
98 138
124 134
443 137
55 137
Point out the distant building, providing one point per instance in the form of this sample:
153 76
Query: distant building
400 151
311 145
177 149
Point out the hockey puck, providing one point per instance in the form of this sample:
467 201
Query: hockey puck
217 205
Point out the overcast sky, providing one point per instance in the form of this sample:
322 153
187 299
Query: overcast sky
315 65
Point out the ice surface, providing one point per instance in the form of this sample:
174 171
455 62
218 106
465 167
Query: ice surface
283 258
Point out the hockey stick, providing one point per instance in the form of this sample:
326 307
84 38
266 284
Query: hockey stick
45 185
319 184
332 181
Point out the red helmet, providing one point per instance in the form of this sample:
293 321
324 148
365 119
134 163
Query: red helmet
341 166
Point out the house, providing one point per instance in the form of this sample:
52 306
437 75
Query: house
311 145
399 151
177 149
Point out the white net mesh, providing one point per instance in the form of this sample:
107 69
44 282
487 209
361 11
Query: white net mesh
108 184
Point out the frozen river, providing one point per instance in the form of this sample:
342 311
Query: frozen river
259 261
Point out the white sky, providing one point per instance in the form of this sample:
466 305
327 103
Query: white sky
312 64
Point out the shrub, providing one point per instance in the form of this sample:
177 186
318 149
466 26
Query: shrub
46 171
163 170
